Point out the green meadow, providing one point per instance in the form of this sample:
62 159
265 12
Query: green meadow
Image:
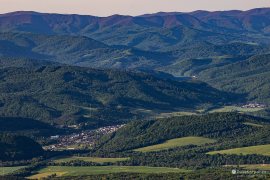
8 170
94 170
177 143
261 150
90 159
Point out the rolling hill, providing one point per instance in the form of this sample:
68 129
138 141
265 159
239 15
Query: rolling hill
187 140
78 50
200 59
34 129
250 76
18 148
217 126
83 51
74 95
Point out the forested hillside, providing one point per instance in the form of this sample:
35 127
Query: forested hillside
219 126
220 131
200 60
251 76
37 130
78 50
68 95
14 148
83 51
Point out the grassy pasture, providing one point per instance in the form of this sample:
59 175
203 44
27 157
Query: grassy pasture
94 170
8 170
177 143
90 159
261 150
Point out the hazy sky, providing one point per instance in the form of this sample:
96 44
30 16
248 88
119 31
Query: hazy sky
126 7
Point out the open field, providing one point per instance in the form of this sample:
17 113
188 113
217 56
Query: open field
177 143
165 114
235 108
92 170
200 111
173 114
90 159
262 150
8 170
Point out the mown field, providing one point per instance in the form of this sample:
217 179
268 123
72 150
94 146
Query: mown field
177 143
8 170
90 159
261 149
94 170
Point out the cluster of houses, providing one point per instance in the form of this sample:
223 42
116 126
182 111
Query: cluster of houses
254 105
83 140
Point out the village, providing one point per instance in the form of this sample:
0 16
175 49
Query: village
83 140
254 105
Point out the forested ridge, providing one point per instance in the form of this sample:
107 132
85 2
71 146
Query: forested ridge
60 94
250 76
220 126
230 130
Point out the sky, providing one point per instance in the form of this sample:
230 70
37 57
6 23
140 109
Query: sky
126 7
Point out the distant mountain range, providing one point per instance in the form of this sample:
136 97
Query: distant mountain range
255 20
149 32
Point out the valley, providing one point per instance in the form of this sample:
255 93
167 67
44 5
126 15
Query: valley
156 96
